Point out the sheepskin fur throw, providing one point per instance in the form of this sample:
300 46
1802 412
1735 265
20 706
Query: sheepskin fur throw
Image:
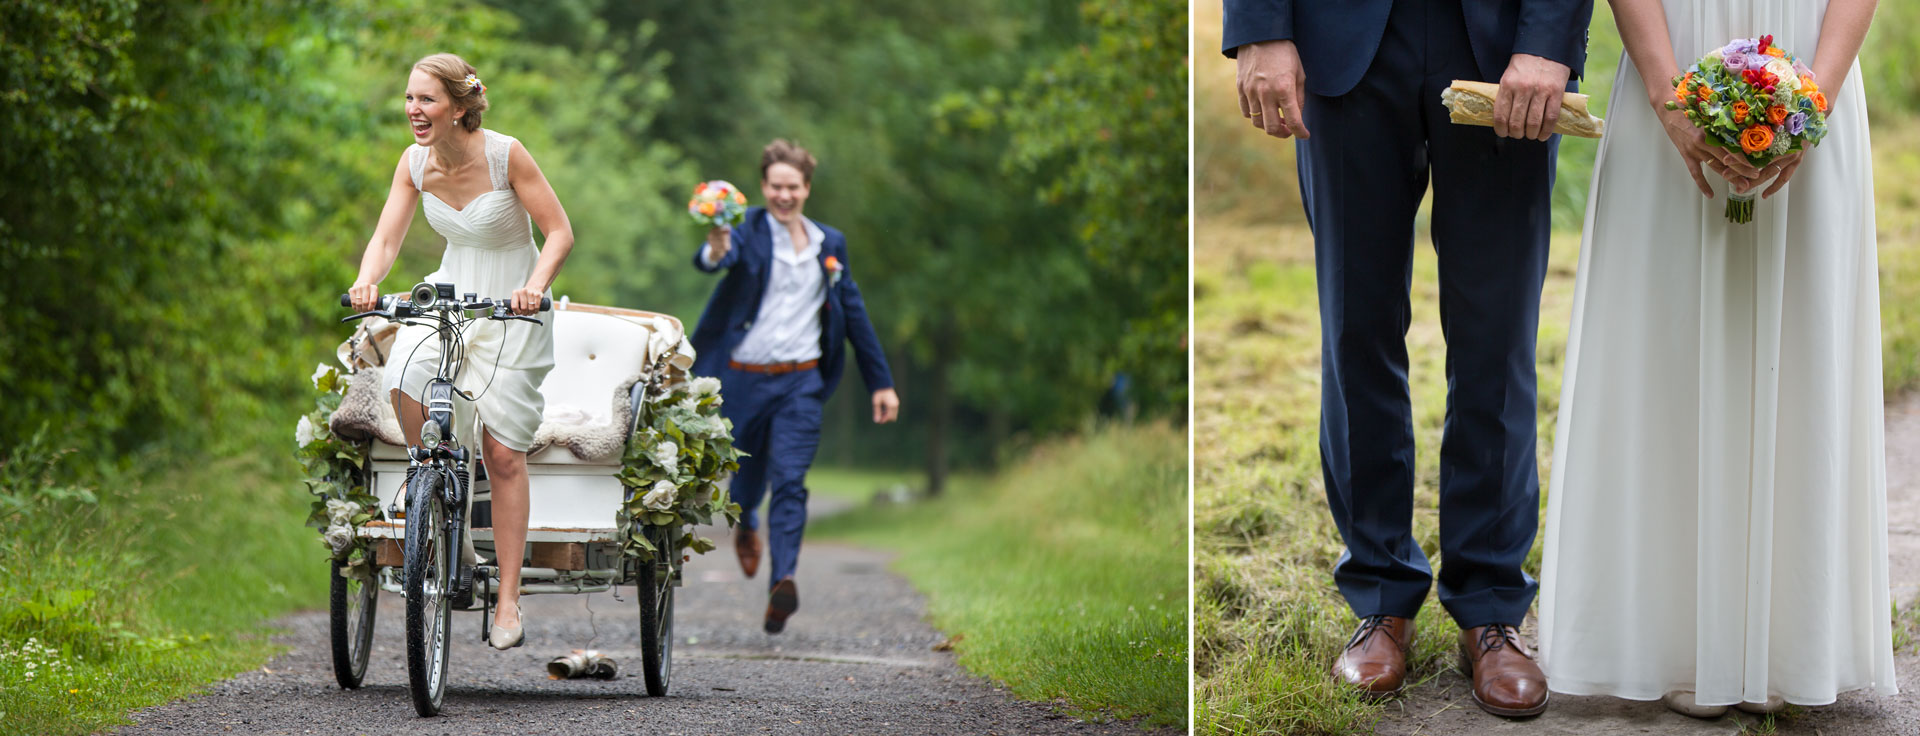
580 433
365 412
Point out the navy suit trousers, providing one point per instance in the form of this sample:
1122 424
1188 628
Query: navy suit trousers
1362 175
776 421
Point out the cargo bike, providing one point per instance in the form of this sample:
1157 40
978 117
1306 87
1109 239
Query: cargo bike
574 536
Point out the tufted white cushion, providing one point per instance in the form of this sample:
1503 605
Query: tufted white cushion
595 350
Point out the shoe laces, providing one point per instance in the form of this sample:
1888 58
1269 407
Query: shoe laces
1370 624
1495 636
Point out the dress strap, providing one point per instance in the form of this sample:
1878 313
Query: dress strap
417 162
498 146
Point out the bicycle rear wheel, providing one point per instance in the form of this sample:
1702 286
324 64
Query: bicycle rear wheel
656 614
351 605
429 574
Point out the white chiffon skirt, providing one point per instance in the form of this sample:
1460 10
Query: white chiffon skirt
1717 516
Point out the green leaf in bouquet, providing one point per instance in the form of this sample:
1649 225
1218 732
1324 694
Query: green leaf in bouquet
699 544
359 519
661 518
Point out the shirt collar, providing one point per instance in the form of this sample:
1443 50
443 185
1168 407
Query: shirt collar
782 239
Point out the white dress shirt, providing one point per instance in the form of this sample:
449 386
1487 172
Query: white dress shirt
787 329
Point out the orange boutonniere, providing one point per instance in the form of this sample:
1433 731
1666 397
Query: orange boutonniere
833 270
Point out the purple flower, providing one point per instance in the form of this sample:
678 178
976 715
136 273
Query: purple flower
1738 61
1800 68
1796 123
1742 46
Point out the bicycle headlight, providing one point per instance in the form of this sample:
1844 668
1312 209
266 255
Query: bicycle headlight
423 295
430 433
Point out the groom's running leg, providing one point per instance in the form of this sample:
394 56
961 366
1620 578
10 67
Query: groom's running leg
1363 173
745 405
793 436
1491 221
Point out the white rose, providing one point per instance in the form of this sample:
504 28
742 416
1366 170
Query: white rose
661 497
704 386
1781 68
303 432
706 428
688 405
339 512
320 371
666 455
339 538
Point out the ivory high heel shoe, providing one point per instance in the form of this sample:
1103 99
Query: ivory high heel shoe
503 638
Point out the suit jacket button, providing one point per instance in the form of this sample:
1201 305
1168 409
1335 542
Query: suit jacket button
748 325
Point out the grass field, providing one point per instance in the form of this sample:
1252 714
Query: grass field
1267 618
160 587
1063 575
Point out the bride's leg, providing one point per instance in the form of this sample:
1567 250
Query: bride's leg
507 475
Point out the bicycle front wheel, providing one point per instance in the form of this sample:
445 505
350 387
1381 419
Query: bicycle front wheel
656 614
429 576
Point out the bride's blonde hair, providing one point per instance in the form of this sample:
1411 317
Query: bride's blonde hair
462 83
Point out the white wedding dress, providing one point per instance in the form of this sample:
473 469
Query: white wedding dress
490 252
1717 512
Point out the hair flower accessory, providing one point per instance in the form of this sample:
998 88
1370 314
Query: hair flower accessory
473 83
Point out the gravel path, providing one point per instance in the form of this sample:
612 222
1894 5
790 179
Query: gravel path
857 658
1442 706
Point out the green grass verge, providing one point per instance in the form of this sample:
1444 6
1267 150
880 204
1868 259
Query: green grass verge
1061 577
860 484
159 588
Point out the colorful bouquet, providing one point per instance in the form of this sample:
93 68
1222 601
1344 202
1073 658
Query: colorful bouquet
716 203
1752 97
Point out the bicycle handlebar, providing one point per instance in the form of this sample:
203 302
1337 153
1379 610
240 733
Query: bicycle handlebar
395 307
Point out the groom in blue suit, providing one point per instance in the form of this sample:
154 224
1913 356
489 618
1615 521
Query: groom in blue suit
1357 83
775 332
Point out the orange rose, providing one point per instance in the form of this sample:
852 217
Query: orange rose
1740 111
707 208
1776 52
1756 139
1819 100
1683 94
739 198
1776 114
1806 84
1704 93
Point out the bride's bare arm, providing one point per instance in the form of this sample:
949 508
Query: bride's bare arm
1841 32
1643 29
544 206
387 237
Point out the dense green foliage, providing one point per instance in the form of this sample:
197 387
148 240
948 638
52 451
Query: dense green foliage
1060 577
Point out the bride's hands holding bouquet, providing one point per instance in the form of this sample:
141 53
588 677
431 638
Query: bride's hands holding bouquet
1695 152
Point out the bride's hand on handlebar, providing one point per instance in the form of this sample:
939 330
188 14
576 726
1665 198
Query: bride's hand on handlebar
526 301
365 296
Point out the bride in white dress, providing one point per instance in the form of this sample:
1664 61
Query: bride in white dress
490 252
1717 527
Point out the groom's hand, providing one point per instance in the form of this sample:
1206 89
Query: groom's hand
1272 86
718 241
1529 101
886 406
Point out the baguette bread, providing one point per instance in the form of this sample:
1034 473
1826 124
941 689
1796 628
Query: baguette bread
1471 103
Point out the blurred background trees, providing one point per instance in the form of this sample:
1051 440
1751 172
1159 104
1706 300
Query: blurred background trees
185 187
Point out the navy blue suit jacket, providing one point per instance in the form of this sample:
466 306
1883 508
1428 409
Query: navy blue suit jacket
1337 38
736 301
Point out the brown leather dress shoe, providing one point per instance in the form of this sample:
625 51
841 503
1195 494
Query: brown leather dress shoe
1375 660
781 604
746 544
1506 680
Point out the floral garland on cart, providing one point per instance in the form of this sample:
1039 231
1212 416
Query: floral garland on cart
336 477
680 450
